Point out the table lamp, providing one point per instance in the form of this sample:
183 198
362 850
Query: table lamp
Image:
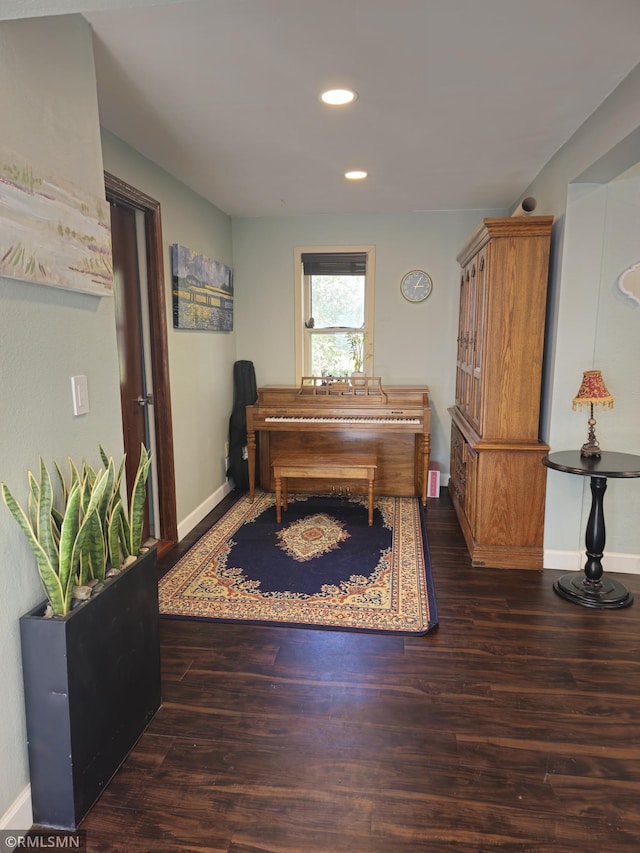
592 392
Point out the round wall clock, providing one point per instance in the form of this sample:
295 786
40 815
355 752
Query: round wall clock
416 286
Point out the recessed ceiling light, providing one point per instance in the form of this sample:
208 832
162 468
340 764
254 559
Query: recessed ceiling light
355 175
338 97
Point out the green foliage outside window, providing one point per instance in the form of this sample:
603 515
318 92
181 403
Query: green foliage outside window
337 308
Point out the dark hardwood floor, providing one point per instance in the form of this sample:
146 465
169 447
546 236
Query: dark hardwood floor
515 725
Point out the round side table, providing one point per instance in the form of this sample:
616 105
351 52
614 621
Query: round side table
592 588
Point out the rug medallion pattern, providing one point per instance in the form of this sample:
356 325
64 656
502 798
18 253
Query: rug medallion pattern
322 566
310 537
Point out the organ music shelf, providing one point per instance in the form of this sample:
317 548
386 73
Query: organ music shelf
357 386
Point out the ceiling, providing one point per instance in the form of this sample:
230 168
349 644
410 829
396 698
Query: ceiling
460 102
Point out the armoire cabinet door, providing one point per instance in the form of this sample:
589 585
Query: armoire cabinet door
477 341
463 388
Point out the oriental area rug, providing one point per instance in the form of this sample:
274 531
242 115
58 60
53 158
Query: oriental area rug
323 566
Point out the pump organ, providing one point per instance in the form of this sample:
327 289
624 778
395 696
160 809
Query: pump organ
394 423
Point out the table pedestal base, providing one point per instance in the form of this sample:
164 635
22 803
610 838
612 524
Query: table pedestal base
606 592
593 588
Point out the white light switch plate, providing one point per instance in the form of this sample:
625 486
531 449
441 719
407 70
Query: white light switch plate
80 394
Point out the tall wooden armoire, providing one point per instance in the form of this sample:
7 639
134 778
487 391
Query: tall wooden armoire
497 480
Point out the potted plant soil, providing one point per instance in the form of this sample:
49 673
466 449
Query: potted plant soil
91 651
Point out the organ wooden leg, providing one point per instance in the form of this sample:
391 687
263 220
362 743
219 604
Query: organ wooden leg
278 486
422 458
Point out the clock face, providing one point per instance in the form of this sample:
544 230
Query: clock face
416 286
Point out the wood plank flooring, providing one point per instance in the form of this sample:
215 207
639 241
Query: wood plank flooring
513 726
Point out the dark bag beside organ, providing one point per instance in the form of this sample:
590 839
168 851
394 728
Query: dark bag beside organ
245 393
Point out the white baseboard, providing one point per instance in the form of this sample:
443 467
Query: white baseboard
19 816
200 512
575 560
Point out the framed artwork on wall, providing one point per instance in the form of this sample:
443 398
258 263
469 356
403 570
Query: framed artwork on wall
51 230
202 292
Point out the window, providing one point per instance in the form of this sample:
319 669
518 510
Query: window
334 310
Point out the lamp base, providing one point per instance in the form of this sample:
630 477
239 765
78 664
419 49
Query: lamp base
591 450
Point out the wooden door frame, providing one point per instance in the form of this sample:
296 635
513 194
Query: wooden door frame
119 191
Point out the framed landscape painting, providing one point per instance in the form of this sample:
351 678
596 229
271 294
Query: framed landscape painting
202 292
52 231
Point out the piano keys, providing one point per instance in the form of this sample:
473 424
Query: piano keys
394 423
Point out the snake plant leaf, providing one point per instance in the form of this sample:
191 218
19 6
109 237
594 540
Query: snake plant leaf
74 477
107 460
33 498
44 530
110 498
86 487
119 475
94 555
63 483
69 558
75 474
114 527
95 546
96 489
48 575
83 571
103 455
58 518
138 497
125 534
107 495
89 549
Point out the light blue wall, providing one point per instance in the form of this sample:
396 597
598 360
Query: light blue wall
200 362
588 187
414 344
47 335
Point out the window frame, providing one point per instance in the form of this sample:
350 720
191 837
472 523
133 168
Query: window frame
302 299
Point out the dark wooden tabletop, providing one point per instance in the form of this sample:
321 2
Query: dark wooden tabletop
610 463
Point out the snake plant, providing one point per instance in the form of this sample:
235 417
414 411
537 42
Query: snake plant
73 545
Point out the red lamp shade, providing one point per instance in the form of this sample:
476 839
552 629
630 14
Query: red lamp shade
593 390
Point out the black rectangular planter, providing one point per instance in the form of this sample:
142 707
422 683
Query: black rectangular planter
92 684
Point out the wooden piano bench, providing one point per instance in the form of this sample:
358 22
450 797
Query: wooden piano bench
333 466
